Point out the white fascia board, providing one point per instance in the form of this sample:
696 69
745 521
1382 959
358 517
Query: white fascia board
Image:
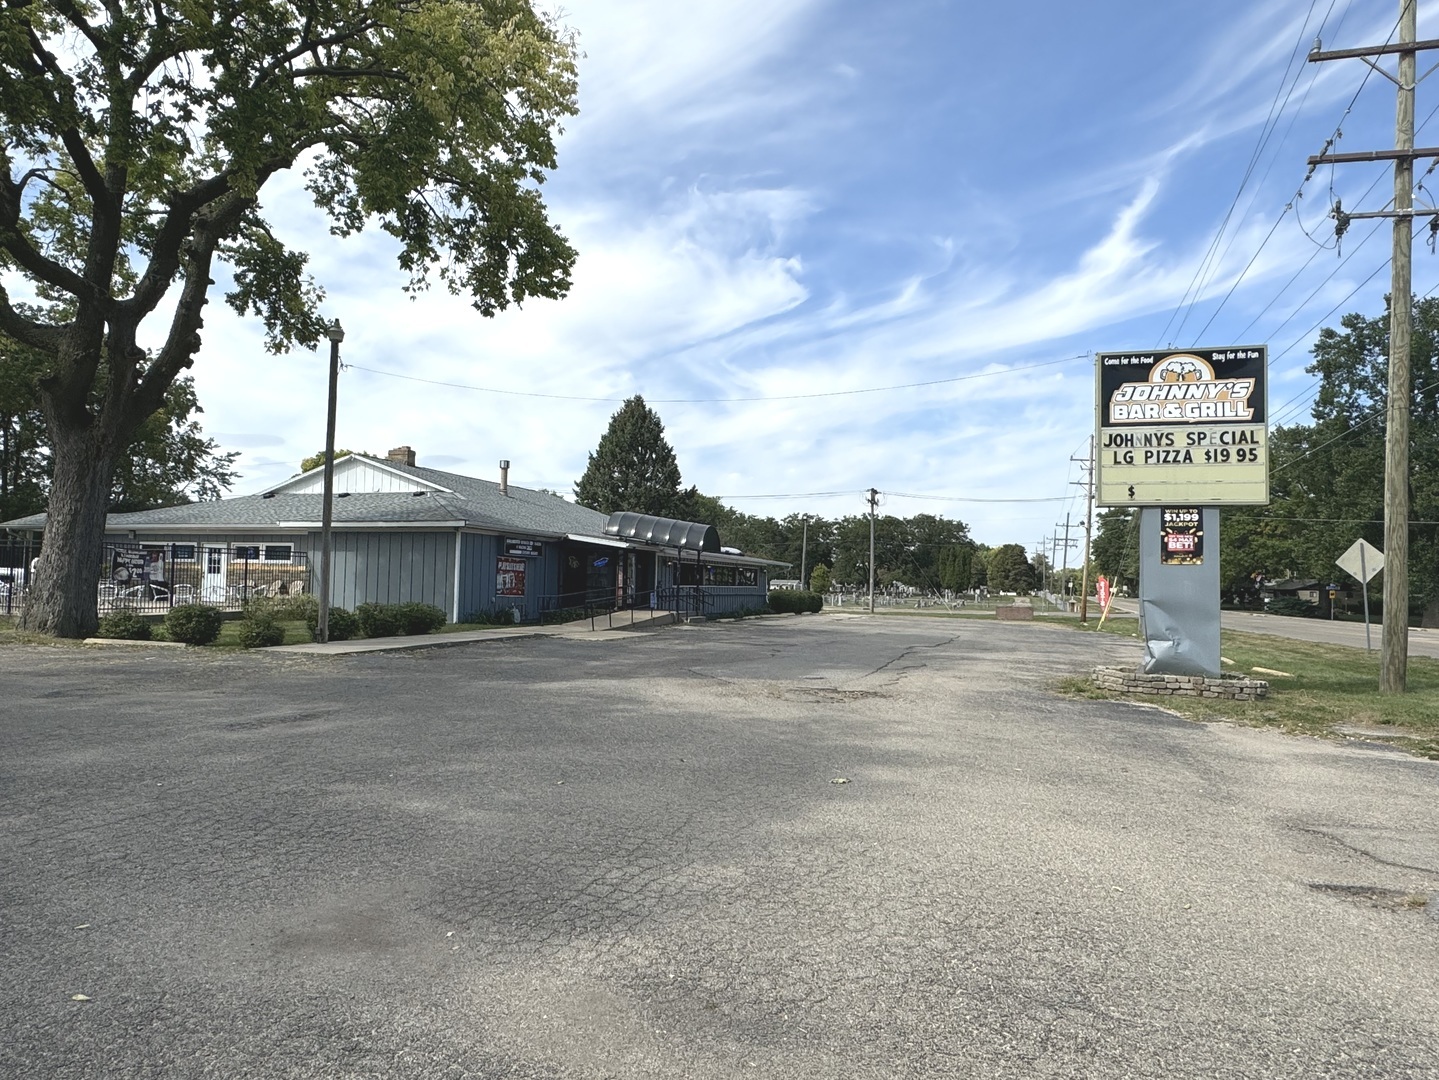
356 459
605 541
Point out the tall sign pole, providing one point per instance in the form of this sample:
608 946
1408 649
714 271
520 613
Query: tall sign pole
1393 669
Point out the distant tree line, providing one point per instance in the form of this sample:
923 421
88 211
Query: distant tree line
634 468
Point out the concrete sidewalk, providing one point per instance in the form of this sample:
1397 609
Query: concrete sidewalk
626 621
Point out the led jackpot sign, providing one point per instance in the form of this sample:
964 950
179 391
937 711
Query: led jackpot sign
1182 426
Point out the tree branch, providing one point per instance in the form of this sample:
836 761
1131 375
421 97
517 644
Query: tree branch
70 137
15 243
76 19
37 335
183 340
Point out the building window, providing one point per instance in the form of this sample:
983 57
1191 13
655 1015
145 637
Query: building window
183 552
745 576
279 553
243 551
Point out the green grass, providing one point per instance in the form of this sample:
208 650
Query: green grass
1333 686
296 633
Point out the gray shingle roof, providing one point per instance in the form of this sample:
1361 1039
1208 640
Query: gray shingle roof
476 503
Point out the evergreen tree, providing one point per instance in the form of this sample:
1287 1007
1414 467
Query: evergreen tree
634 467
1009 569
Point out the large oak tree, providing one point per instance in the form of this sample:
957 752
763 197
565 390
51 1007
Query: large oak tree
136 140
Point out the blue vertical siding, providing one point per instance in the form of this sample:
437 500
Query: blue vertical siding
479 553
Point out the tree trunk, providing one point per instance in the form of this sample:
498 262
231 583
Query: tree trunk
66 587
1431 614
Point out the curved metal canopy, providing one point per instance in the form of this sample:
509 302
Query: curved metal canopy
666 532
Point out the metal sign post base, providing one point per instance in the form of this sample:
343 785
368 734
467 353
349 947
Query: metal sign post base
1179 602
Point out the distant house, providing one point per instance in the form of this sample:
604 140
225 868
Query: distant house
401 533
1305 589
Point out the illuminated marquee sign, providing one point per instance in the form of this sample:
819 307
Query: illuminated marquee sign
1182 426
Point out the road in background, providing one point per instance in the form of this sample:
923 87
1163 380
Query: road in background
829 846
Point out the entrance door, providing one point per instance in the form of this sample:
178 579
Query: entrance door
212 584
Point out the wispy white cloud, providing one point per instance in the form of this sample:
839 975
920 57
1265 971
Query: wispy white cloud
756 217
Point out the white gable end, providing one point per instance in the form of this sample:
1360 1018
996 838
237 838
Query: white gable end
357 476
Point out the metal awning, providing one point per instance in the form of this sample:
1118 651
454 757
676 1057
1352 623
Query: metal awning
663 532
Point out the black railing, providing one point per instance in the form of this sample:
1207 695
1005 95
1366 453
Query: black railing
685 601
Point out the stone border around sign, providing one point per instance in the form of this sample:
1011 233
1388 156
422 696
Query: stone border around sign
1231 687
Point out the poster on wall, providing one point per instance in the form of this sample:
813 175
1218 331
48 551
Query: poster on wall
129 567
1182 426
1181 536
510 577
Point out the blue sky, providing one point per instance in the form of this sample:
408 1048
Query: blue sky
802 197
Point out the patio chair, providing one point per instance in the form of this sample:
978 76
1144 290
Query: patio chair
184 594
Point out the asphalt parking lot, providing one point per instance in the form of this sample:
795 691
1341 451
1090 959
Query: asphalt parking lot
826 846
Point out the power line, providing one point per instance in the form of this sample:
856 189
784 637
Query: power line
1265 132
965 498
728 400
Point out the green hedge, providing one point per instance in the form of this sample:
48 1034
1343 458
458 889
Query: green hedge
194 624
126 625
1292 605
398 620
260 630
343 626
785 601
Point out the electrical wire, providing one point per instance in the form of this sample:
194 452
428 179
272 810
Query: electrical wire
1266 130
1374 414
1337 134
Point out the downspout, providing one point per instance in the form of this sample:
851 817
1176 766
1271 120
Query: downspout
455 601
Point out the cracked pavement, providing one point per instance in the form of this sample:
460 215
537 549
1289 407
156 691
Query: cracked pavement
624 856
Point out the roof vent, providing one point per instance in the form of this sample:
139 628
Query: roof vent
505 477
268 495
342 495
418 494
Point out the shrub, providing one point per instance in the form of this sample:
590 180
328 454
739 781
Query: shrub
344 624
506 617
785 601
417 618
395 620
1292 605
194 624
260 630
297 608
126 625
379 620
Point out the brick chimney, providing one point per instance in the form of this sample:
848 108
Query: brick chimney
401 455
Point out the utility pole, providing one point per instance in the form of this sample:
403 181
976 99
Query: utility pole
803 552
1394 667
336 334
1064 574
1088 485
873 506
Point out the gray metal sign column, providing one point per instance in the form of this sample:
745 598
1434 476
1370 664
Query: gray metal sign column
1179 601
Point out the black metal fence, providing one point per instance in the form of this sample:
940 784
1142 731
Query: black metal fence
153 578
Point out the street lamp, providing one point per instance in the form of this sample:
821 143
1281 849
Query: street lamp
336 335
